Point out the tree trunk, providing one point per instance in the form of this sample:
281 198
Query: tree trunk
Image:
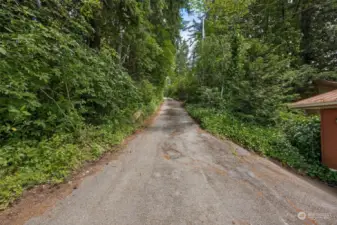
305 25
95 41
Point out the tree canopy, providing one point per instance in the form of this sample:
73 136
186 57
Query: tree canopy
261 54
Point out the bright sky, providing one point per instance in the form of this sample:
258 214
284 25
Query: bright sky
187 17
186 34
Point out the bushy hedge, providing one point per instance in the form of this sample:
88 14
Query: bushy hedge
294 146
27 163
304 133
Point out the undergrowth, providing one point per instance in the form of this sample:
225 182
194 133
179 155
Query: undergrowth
26 164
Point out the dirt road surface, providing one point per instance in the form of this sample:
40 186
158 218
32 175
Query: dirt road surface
175 174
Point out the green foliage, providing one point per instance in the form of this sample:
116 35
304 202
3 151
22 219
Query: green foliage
260 55
50 88
77 77
24 164
211 97
271 142
304 133
182 87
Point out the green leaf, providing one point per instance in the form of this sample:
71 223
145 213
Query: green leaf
3 51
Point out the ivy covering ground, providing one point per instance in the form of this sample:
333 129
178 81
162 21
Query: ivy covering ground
295 143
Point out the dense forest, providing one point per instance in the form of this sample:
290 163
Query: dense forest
76 77
246 61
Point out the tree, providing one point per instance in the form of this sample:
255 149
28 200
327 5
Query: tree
255 49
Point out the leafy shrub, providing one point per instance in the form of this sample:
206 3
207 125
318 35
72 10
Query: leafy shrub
304 133
210 97
51 82
183 87
27 163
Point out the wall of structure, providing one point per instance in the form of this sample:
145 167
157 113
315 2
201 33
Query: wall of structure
329 137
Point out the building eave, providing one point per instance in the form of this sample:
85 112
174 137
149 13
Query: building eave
318 105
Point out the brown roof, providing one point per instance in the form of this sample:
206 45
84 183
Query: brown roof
326 83
326 100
